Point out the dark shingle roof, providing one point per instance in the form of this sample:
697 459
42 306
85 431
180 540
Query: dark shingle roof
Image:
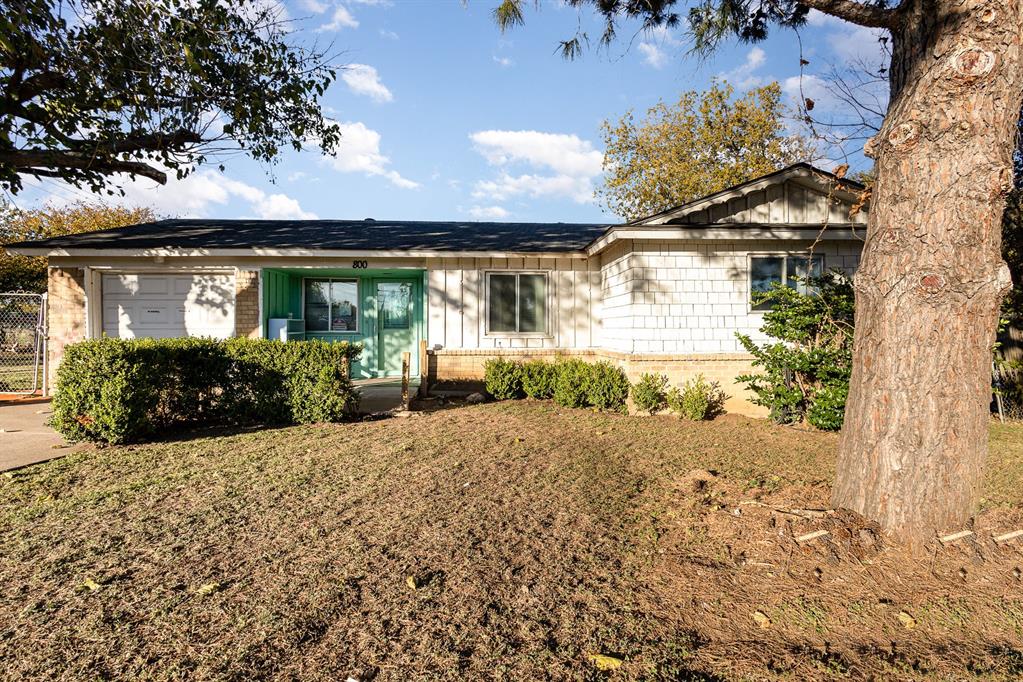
358 235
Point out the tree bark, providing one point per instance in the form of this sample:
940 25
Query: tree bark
931 279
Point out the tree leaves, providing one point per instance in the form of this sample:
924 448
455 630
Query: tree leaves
706 142
140 88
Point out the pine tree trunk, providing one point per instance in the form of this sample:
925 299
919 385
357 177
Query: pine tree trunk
931 280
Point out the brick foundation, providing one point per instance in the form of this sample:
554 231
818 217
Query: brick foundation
246 303
467 365
65 314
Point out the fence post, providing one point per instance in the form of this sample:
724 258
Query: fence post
406 368
424 370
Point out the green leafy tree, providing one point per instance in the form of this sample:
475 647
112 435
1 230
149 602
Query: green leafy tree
92 88
705 142
932 280
28 273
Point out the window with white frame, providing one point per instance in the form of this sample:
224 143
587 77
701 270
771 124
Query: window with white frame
790 270
331 305
516 303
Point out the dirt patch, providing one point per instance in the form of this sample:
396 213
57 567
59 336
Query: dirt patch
509 541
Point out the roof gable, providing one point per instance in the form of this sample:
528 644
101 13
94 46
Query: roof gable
797 195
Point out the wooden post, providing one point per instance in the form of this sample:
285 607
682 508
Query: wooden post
424 370
406 368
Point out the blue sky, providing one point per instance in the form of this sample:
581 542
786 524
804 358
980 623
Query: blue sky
446 118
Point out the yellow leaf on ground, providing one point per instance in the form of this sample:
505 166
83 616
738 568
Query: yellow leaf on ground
411 582
908 621
605 662
208 588
761 619
91 584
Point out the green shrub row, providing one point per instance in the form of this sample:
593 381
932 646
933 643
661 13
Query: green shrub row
569 382
121 391
696 400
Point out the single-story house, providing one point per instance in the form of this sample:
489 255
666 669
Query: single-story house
666 293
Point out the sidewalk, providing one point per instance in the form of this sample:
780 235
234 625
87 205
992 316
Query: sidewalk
24 436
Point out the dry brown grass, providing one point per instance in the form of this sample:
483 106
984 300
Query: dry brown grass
506 541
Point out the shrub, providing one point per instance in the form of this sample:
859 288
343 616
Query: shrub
608 387
806 371
650 392
570 388
698 399
503 378
120 391
539 379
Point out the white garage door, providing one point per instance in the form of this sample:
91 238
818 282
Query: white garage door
168 305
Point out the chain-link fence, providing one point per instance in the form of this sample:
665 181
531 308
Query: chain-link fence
22 341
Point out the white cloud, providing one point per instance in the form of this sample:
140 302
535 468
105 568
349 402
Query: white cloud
360 153
848 42
488 212
744 76
314 6
653 55
197 194
341 18
652 47
363 79
390 35
503 61
573 161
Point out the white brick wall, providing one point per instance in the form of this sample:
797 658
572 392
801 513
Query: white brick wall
690 297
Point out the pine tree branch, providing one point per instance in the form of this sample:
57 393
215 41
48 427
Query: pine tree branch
871 16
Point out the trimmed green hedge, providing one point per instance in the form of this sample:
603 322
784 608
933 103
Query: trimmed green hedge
570 382
121 391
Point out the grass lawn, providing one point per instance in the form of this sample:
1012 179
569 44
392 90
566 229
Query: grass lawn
510 541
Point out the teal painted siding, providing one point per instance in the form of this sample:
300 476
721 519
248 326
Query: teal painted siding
283 293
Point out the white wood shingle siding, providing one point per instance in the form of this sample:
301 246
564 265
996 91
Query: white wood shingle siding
692 297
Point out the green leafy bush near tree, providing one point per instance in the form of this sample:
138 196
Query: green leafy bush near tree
698 399
805 372
121 391
607 387
650 392
503 378
538 379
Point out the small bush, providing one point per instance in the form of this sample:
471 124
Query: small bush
539 379
698 399
570 388
650 392
608 387
503 379
804 373
120 391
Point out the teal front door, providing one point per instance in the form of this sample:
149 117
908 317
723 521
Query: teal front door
396 332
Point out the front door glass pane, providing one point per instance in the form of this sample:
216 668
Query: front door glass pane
395 305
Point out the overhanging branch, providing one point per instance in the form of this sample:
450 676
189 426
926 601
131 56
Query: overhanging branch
871 16
45 162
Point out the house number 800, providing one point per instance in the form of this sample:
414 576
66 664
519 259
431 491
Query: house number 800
360 264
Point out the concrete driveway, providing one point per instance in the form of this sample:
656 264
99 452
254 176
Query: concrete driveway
24 436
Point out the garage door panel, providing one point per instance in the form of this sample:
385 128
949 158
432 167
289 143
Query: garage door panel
168 305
